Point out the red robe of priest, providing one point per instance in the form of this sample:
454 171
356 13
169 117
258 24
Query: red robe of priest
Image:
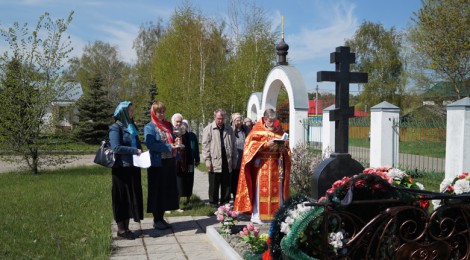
260 166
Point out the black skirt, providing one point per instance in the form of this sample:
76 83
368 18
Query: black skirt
162 187
185 183
127 194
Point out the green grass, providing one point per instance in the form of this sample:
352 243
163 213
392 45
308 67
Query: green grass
424 148
63 214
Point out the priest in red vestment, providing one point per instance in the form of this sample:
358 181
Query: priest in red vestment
265 170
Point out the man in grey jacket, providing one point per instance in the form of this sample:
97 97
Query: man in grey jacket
217 153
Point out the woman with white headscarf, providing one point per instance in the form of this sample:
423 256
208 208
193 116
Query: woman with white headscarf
185 162
126 181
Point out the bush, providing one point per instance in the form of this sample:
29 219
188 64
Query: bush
304 161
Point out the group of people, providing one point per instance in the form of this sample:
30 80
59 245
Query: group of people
247 163
170 176
244 162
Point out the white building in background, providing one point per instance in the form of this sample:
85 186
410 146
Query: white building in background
62 113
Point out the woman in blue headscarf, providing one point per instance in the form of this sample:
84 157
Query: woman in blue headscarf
126 183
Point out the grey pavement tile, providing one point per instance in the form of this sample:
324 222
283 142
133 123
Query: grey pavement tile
185 224
128 250
125 242
179 219
149 241
199 238
196 247
172 256
187 232
151 232
165 248
198 255
132 257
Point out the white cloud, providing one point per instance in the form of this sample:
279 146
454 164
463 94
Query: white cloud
122 35
312 43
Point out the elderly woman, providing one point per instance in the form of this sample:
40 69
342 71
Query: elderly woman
185 161
240 131
126 180
161 175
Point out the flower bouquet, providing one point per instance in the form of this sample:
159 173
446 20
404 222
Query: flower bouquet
227 218
456 186
250 234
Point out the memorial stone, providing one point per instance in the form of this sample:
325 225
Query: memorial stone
340 163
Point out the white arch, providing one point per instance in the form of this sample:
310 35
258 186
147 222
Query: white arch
253 109
298 99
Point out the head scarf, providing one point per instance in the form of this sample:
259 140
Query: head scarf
187 125
122 114
163 125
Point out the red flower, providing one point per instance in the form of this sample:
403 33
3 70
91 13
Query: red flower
463 175
266 255
423 203
360 183
450 188
377 186
368 170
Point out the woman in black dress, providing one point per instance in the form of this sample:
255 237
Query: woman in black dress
126 180
162 187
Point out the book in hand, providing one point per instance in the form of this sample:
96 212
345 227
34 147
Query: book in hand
284 138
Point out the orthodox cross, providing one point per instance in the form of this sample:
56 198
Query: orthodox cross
342 76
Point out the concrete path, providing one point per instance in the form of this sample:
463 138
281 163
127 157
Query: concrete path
186 239
18 163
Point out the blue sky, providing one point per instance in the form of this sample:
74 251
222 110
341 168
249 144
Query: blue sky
313 28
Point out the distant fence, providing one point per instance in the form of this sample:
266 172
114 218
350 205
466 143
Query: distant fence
359 139
421 144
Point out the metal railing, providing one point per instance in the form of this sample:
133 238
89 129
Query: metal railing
422 146
421 143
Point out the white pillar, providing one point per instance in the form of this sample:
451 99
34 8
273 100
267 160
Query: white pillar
383 136
328 130
458 138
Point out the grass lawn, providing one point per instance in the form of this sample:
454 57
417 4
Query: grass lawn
424 148
63 214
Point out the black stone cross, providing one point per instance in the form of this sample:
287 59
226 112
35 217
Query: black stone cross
342 76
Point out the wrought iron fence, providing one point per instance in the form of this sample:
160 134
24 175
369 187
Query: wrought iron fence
422 146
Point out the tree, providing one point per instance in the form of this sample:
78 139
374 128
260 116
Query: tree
378 53
144 81
101 59
253 54
440 37
190 61
30 81
95 113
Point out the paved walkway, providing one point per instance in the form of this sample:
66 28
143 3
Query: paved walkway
185 240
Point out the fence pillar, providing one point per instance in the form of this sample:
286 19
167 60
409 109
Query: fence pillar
458 138
384 135
328 130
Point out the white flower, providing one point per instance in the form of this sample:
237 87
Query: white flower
420 186
436 204
289 220
285 228
444 184
461 186
335 239
396 174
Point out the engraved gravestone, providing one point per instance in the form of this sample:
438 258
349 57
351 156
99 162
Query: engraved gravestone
340 163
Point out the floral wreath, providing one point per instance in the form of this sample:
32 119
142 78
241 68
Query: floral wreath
304 235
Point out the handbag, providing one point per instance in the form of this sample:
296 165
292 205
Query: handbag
105 155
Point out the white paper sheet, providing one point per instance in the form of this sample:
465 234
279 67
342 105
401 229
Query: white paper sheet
142 160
